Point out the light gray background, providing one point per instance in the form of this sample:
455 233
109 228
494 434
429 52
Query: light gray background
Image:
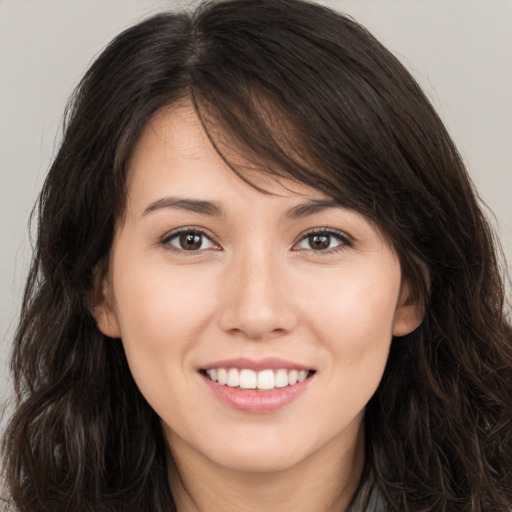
459 50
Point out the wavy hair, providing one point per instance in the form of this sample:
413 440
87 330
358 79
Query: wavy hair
312 96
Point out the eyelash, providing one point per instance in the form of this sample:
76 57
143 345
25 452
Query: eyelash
166 241
343 239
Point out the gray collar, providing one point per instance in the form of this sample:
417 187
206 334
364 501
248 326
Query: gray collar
368 497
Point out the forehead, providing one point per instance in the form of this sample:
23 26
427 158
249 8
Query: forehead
175 167
174 149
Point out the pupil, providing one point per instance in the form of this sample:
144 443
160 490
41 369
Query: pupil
320 242
190 241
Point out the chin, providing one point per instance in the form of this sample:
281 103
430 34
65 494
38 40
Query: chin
259 461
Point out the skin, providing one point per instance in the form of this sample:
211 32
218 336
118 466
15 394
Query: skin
255 288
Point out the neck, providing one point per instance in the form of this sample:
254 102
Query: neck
325 482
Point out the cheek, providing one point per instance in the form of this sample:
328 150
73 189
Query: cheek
158 296
353 325
162 314
161 311
355 312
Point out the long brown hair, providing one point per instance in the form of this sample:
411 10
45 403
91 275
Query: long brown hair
314 97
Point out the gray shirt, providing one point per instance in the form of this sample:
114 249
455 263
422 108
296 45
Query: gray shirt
369 497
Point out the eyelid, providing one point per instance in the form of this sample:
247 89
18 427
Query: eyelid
345 239
164 241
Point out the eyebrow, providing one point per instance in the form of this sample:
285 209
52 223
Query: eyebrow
215 209
190 205
312 207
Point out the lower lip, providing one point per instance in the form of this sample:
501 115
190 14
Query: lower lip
250 400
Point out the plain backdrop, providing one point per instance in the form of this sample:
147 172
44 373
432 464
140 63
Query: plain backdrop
459 50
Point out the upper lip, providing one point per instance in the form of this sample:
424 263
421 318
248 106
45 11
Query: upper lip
269 363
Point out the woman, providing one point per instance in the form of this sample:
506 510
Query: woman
262 281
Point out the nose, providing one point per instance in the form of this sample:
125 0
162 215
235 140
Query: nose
257 302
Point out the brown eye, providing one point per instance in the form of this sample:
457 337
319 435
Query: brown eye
319 242
322 241
189 241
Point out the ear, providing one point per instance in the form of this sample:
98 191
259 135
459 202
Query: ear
104 312
409 313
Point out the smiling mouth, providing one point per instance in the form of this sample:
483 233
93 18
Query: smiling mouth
264 380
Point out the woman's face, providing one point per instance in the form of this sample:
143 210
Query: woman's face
256 325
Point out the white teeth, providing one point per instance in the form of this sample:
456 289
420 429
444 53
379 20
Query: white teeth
222 376
249 379
302 376
292 377
266 379
233 378
281 379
